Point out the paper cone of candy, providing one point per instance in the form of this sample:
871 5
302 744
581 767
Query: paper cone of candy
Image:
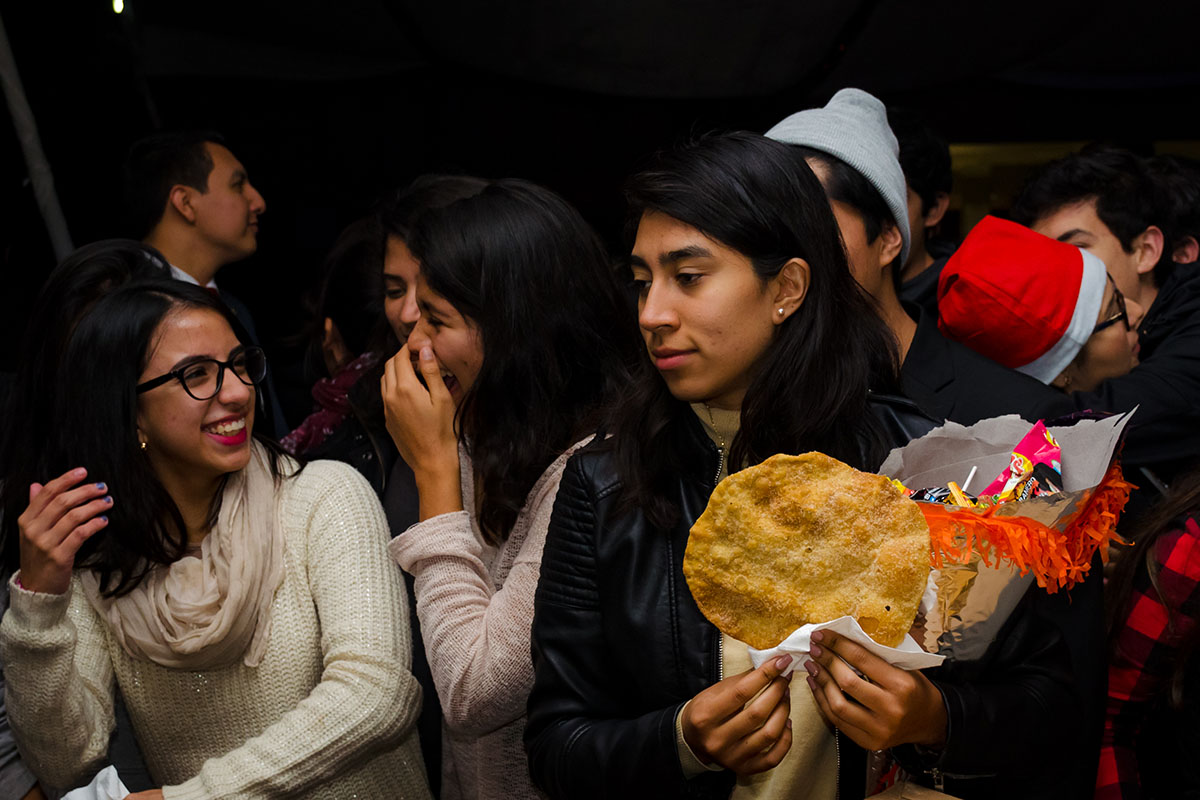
1053 506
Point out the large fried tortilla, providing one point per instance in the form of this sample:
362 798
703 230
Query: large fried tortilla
804 539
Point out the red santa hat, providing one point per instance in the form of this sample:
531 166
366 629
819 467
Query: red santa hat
1020 298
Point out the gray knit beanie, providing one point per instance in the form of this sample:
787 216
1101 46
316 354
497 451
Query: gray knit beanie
853 126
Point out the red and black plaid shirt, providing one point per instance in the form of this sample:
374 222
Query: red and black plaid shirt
1145 655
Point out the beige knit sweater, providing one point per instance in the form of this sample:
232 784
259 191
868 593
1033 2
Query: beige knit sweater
475 602
328 713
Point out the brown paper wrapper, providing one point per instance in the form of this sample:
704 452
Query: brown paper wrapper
984 560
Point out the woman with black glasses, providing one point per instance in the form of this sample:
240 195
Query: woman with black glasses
244 604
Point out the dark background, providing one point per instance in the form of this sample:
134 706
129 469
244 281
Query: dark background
331 106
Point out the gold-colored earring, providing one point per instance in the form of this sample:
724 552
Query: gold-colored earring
143 446
781 312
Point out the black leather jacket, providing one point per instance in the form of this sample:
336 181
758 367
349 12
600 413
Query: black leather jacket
1023 721
618 642
619 646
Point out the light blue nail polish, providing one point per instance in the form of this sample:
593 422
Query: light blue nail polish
101 486
108 500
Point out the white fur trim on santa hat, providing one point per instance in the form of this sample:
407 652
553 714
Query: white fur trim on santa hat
1049 364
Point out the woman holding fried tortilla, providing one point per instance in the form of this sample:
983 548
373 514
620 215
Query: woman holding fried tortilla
758 341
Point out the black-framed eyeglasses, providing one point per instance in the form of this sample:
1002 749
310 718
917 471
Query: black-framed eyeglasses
202 378
1121 316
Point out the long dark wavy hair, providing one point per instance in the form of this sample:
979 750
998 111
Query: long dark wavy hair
809 392
70 290
96 414
558 344
1181 502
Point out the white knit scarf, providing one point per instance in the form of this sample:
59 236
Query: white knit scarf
209 611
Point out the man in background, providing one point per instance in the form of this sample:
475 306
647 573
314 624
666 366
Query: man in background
851 148
190 198
925 160
1106 200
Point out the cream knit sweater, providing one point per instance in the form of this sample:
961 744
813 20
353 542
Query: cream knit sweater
328 713
475 602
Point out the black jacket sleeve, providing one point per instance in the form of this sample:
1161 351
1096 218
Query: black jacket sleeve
585 736
1019 712
1164 388
1013 718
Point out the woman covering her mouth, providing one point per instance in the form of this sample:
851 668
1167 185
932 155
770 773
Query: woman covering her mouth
244 605
522 341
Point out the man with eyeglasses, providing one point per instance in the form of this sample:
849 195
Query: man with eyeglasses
1106 201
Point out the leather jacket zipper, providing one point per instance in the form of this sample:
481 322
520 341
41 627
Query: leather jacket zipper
837 750
720 637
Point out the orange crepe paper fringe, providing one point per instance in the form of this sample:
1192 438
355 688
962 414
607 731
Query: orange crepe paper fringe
1058 557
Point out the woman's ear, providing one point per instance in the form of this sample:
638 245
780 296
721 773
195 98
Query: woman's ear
790 287
333 348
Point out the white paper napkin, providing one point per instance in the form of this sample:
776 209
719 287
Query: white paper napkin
105 786
908 655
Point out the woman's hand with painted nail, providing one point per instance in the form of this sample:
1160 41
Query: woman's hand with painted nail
742 722
420 418
60 517
875 704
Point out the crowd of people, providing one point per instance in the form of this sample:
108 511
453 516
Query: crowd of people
461 575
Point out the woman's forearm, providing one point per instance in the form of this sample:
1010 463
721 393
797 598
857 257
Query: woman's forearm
58 680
